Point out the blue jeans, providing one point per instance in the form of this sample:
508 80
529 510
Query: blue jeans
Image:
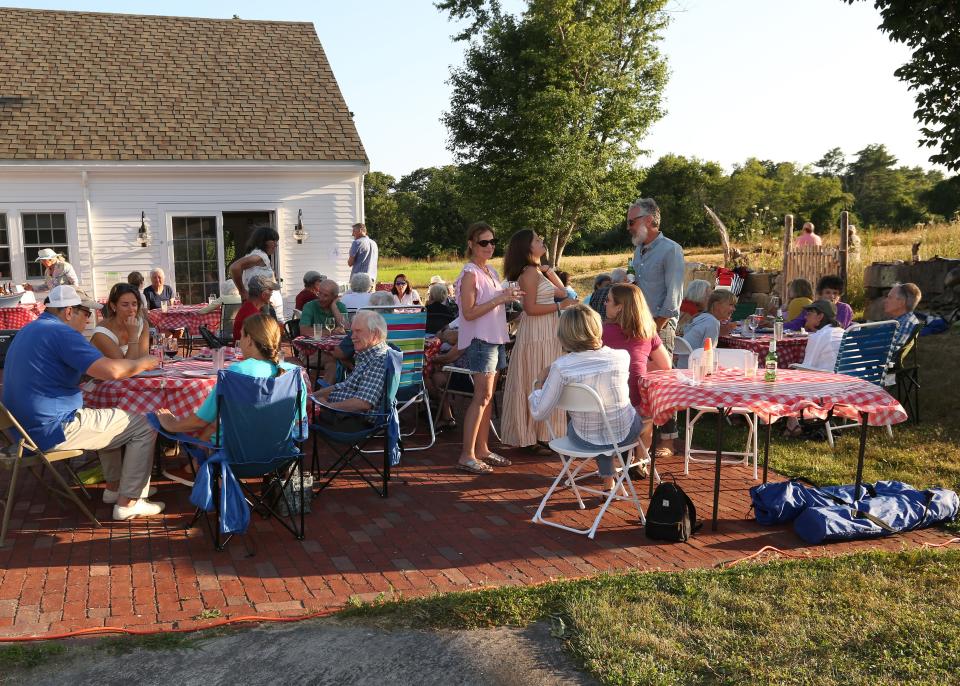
604 462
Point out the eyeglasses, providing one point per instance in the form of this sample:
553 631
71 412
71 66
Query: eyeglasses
631 222
85 310
487 241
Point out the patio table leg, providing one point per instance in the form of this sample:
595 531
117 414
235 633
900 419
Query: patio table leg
721 417
860 456
766 447
654 435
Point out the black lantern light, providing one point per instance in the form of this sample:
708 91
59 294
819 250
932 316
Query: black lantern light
143 234
298 231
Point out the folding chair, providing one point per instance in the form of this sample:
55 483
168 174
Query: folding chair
904 375
23 452
407 333
259 423
577 397
228 313
731 359
460 383
681 353
350 447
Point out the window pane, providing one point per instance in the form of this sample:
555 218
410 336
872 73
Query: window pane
59 221
43 221
29 221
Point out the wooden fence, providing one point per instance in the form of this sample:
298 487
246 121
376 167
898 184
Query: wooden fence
812 262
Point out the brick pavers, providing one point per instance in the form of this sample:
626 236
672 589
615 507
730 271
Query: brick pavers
441 530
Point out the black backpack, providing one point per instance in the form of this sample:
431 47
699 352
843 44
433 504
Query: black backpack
671 515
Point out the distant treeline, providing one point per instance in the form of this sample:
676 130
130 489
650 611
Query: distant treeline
424 213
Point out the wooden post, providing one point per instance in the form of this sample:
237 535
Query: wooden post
844 244
785 276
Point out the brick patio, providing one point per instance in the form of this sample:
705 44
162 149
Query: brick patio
443 530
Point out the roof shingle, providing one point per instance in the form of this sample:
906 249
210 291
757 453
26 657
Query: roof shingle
93 86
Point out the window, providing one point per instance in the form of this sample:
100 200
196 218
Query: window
195 258
4 249
43 230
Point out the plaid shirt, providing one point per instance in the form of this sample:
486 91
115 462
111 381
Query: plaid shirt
908 322
367 380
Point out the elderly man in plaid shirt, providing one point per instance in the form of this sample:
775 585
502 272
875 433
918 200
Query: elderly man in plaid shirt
362 391
899 304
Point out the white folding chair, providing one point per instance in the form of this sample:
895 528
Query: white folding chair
731 359
577 397
681 353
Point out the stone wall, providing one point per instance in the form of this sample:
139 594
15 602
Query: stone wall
879 277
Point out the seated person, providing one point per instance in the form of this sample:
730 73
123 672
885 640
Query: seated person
259 291
362 391
565 280
311 286
359 294
449 354
605 370
799 295
325 310
229 295
135 279
694 302
404 292
157 292
259 341
439 311
344 351
899 305
598 300
823 344
830 288
123 332
41 388
714 322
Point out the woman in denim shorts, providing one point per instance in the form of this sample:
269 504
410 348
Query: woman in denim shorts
483 332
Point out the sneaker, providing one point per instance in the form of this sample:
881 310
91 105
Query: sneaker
139 508
110 497
181 475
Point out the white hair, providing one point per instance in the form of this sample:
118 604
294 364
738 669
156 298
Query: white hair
382 299
376 323
648 207
698 291
360 282
157 270
618 275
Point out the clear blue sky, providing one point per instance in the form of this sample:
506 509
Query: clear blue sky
774 79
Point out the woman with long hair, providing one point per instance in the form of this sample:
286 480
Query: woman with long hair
122 334
402 291
630 326
258 262
483 333
536 345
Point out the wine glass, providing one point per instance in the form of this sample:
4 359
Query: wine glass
513 287
752 322
171 346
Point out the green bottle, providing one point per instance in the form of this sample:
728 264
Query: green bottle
770 374
631 272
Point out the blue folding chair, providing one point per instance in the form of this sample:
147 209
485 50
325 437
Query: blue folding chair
351 449
260 422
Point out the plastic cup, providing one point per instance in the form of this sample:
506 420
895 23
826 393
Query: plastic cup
750 370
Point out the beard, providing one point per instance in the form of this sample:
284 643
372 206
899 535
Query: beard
639 237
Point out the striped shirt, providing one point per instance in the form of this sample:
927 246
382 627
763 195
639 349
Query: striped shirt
606 371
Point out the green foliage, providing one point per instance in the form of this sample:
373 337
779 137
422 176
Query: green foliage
549 108
437 210
944 198
682 187
929 29
388 213
887 195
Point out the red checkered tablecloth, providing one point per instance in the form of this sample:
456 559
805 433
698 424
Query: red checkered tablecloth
19 316
813 393
790 349
184 317
179 394
308 346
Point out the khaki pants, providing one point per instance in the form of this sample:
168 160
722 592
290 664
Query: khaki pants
107 431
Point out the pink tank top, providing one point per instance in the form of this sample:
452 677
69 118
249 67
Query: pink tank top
491 327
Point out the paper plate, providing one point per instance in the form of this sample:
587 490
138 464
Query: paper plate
149 373
198 374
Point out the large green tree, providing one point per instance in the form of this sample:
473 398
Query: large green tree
931 29
438 210
387 213
550 106
682 187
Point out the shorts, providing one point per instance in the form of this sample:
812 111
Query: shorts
486 358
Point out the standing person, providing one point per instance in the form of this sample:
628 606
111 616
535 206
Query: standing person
658 263
157 292
536 345
311 286
402 291
56 271
41 387
363 253
808 237
259 262
829 287
483 332
123 334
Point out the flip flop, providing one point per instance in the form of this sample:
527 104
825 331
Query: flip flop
496 460
475 467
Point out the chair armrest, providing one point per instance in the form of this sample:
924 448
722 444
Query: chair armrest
181 438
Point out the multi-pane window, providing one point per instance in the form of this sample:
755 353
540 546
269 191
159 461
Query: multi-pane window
43 230
195 258
4 249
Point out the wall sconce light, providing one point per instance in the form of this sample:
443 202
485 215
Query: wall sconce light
298 231
143 234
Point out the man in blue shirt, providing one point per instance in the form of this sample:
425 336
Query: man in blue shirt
41 388
899 304
658 263
363 253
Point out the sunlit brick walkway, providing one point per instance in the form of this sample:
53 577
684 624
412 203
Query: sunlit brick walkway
443 530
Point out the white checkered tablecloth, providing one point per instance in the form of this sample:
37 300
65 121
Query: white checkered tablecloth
813 393
184 317
790 350
19 316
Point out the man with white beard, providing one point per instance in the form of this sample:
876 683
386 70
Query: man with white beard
658 263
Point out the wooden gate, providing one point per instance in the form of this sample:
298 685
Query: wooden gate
812 262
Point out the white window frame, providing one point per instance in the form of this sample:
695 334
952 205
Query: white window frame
15 214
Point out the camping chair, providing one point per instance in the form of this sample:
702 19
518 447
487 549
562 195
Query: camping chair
864 353
23 452
350 448
731 359
579 397
259 423
904 375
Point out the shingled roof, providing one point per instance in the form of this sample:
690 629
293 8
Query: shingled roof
93 86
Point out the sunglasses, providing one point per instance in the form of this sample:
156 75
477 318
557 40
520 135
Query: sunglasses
399 283
85 310
487 241
631 222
